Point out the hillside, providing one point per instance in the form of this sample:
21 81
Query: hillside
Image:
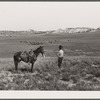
75 30
59 31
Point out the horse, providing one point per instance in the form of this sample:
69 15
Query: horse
28 57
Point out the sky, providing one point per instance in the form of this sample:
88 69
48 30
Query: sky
43 16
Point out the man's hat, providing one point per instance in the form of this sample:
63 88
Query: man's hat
60 46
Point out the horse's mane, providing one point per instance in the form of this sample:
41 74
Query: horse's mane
37 49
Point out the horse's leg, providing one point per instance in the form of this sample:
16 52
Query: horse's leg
32 66
16 65
16 61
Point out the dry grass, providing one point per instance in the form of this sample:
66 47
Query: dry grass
77 73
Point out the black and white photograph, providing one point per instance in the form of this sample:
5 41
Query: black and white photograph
50 46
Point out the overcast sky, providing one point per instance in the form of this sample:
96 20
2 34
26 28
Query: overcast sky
48 15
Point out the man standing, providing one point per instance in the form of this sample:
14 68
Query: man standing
60 56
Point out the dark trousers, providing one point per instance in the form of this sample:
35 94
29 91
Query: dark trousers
60 61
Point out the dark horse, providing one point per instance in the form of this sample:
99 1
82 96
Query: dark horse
28 57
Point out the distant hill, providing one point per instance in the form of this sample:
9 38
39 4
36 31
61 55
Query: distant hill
59 31
74 30
20 33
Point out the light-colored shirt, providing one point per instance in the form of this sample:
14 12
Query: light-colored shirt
61 53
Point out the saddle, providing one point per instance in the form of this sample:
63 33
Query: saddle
28 56
32 56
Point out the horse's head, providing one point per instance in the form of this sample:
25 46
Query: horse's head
41 50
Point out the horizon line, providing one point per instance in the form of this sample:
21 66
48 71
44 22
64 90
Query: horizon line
46 30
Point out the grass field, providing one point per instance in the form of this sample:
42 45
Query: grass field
80 69
77 73
74 44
